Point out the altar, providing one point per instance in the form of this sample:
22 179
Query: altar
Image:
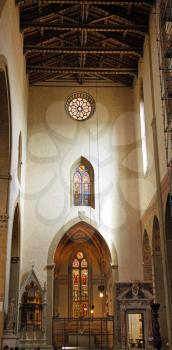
83 340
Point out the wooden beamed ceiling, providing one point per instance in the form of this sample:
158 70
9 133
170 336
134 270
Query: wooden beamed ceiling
83 41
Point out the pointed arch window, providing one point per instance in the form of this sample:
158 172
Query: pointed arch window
82 183
143 131
82 186
80 289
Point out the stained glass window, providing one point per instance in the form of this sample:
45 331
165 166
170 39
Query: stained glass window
80 255
80 106
80 285
81 186
75 263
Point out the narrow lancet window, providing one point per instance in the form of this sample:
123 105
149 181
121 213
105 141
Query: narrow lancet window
81 186
80 286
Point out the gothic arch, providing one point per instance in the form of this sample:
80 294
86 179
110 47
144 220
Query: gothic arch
5 164
79 231
58 236
5 134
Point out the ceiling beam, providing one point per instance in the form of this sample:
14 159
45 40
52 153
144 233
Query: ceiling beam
90 2
45 49
141 29
71 70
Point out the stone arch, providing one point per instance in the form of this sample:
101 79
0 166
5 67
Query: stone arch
81 237
5 164
147 258
5 134
58 236
159 290
86 162
67 233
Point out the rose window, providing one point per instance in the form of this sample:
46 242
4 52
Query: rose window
80 106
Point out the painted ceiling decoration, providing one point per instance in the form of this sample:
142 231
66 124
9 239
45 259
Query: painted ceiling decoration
83 41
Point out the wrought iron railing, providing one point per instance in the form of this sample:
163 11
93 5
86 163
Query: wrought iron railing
90 333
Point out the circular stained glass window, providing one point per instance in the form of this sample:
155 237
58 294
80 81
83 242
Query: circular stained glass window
80 106
80 255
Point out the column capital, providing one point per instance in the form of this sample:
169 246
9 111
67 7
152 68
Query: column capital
50 267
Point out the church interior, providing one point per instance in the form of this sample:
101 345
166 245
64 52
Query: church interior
85 174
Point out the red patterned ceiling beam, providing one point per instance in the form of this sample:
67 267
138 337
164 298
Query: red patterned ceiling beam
46 49
89 2
71 70
141 29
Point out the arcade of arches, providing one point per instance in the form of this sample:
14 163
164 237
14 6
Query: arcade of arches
85 203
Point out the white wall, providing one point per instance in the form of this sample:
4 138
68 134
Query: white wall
55 142
11 48
147 183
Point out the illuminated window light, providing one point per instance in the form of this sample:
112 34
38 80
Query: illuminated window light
143 138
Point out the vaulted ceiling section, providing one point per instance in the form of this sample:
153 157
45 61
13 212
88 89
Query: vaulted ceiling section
83 41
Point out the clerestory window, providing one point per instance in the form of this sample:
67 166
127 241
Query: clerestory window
82 183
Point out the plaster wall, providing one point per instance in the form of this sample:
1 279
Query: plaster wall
55 142
147 182
11 49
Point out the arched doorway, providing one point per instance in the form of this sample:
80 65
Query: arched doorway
12 317
159 292
5 161
82 269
